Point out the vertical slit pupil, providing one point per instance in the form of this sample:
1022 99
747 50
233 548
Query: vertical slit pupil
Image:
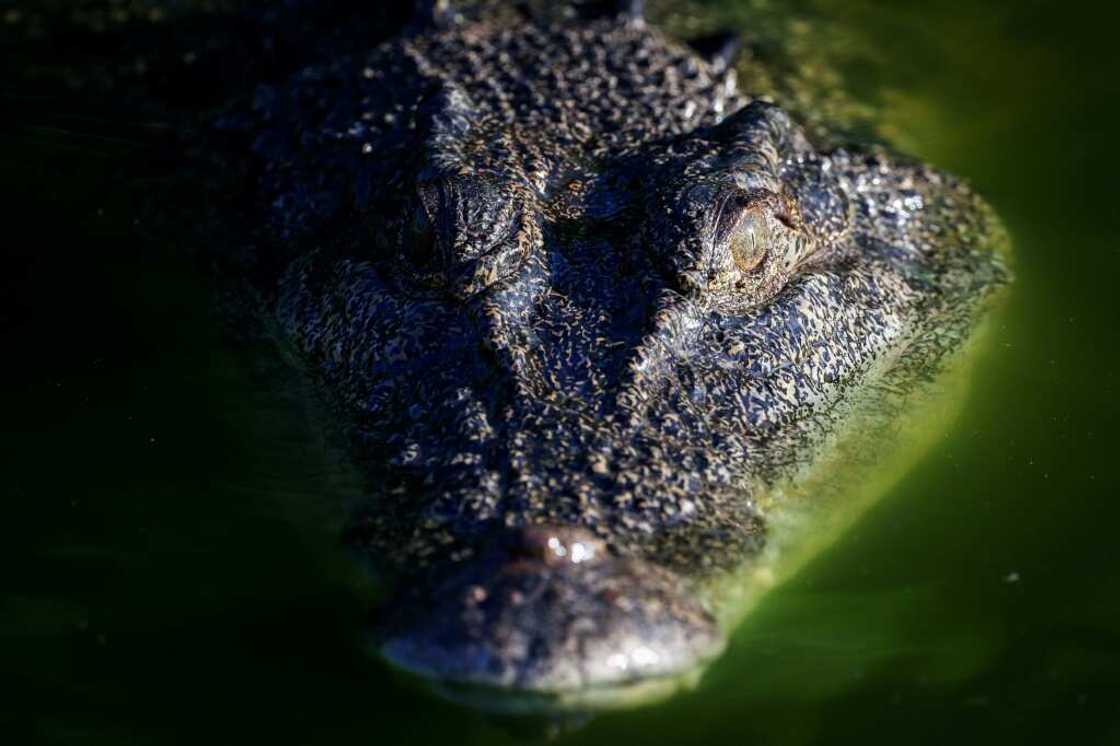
750 241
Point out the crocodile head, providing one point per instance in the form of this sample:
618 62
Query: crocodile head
575 302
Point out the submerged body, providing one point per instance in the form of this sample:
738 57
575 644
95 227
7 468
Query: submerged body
575 302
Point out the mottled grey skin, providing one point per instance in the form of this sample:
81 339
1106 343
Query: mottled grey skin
575 300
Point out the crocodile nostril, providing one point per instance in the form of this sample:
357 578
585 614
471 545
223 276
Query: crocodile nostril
550 612
557 545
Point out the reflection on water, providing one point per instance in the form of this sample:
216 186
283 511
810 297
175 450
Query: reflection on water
173 572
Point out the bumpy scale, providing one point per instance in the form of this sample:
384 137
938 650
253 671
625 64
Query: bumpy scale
574 300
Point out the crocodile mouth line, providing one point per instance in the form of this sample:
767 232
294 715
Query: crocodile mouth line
537 702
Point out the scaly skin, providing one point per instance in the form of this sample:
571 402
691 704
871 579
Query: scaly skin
576 301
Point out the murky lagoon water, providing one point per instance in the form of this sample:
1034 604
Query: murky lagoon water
171 566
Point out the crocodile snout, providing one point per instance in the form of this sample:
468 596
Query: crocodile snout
549 616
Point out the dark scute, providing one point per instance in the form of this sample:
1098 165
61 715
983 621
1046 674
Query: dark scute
633 10
720 49
432 14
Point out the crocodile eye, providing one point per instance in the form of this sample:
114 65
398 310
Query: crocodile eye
464 234
750 241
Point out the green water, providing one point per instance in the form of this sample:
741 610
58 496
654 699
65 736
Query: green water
171 573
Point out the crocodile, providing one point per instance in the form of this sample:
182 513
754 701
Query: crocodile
576 303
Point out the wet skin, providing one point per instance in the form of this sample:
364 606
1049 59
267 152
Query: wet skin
575 301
